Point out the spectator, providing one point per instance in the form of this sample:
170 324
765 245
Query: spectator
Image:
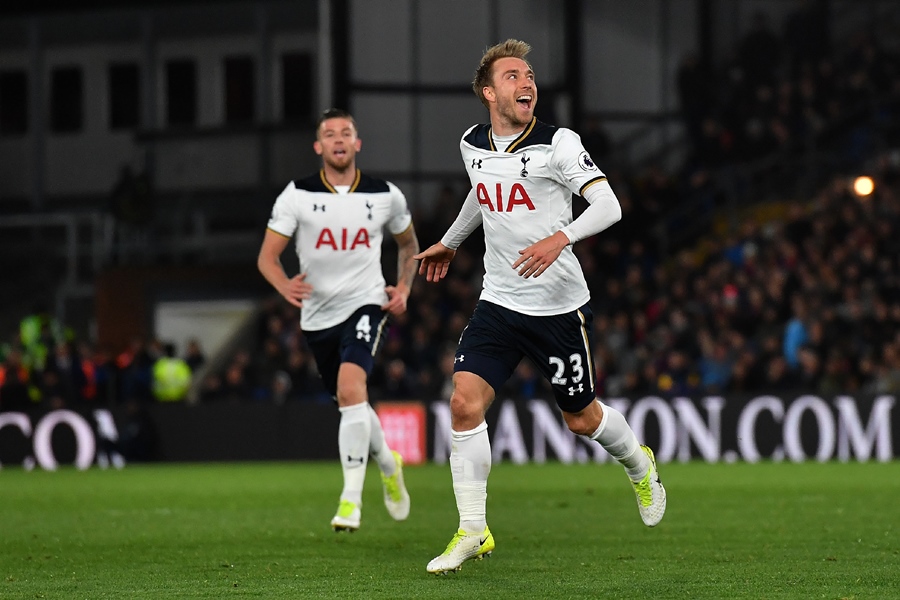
305 381
69 374
171 376
778 376
134 366
398 383
526 382
795 333
193 355
235 387
211 388
15 383
716 367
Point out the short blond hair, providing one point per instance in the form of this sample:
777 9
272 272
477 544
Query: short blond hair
483 74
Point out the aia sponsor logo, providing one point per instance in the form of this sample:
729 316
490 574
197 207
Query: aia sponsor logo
504 201
341 239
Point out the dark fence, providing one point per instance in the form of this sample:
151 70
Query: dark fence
714 429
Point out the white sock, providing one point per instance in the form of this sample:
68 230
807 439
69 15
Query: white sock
617 438
470 465
353 443
378 448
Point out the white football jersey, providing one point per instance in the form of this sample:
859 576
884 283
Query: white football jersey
525 193
338 239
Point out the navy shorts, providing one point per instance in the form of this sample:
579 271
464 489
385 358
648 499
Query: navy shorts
356 341
497 338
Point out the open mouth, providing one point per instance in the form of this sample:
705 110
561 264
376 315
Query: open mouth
525 101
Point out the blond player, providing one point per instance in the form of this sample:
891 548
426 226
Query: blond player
535 299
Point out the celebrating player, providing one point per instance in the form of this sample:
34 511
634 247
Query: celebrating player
338 216
535 299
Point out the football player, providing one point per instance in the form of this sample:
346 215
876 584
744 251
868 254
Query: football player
337 217
535 301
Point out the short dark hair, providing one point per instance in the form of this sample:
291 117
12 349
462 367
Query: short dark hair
335 113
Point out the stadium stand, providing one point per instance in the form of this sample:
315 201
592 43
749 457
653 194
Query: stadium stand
755 267
776 277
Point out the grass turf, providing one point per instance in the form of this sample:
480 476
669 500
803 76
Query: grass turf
759 531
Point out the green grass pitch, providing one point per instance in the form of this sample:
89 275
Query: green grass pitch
759 531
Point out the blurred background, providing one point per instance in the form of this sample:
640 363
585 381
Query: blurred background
754 146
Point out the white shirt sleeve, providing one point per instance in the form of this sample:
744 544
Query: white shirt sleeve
400 218
573 165
283 220
468 219
604 210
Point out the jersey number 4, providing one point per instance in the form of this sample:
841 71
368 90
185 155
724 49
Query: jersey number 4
364 329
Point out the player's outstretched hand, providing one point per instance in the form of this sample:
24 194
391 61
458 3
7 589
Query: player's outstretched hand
537 257
296 290
397 297
435 261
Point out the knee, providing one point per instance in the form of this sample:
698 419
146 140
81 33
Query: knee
466 412
586 421
471 397
581 426
351 389
349 397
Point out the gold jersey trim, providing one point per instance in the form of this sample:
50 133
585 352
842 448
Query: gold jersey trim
590 183
330 187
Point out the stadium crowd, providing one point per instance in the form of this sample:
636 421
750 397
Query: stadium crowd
807 300
44 364
785 91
